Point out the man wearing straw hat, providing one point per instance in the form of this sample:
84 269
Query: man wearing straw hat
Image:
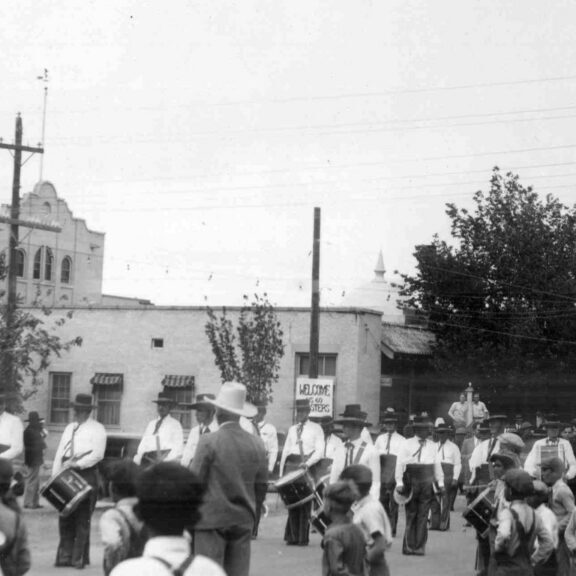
81 448
388 445
417 470
551 447
480 458
205 416
232 464
163 438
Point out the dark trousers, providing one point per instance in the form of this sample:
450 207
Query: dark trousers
31 492
440 512
298 525
259 508
387 500
417 510
229 547
74 545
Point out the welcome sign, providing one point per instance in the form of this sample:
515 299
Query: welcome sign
320 392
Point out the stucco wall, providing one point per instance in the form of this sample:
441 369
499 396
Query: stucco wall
119 341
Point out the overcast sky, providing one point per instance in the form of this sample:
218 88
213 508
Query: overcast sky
199 135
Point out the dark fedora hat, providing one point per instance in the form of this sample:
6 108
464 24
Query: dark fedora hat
302 404
83 401
353 415
200 402
164 398
389 416
34 418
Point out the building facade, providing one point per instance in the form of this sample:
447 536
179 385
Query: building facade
130 354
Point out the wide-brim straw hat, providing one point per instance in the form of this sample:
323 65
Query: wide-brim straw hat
34 418
499 417
232 398
401 499
512 440
83 401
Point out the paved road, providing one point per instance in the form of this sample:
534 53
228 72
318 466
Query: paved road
448 553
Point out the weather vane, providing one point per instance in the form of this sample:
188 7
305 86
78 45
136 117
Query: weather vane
43 78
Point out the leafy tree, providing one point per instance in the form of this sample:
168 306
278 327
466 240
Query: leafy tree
501 296
249 352
28 342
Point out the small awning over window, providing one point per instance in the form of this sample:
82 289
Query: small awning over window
107 379
174 381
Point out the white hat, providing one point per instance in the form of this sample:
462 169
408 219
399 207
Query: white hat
232 398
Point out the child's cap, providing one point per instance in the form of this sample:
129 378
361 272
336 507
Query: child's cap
340 492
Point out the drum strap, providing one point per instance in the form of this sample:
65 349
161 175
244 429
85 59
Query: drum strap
299 430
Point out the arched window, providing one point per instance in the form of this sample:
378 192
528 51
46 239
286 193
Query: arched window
66 270
48 263
20 263
36 273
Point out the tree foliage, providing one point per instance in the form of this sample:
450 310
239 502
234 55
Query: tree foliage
501 295
27 345
249 352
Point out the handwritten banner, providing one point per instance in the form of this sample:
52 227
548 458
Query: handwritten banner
319 391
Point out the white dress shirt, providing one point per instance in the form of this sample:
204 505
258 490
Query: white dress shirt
366 436
192 442
459 412
172 549
331 444
416 451
87 440
269 436
481 454
565 453
389 443
479 410
312 438
450 453
368 456
170 435
11 434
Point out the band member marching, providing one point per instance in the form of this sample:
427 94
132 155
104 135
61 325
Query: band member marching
303 448
388 445
81 447
355 449
551 447
479 461
163 438
417 469
451 466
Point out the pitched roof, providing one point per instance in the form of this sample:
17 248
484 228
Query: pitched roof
406 341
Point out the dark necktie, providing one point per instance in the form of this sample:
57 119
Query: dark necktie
388 442
157 427
299 431
492 446
418 453
349 453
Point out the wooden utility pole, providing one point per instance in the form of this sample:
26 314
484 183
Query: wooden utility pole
315 312
14 221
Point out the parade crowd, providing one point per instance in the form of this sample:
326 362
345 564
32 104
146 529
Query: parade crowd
193 506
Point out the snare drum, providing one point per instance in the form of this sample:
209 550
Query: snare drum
66 490
479 512
320 521
296 488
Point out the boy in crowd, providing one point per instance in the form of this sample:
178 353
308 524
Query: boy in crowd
370 515
122 531
343 542
169 496
562 504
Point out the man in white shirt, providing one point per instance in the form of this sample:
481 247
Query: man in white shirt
419 471
551 447
81 448
11 433
451 465
163 438
303 447
206 423
388 445
355 449
479 461
479 410
458 412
